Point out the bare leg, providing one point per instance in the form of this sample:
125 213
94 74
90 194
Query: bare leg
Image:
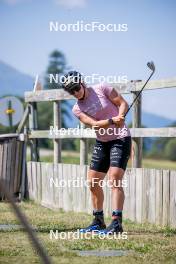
115 177
97 195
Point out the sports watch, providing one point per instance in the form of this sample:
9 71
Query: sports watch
110 120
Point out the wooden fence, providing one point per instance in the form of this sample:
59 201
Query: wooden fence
55 96
150 193
12 164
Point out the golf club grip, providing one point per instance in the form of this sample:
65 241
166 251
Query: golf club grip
139 94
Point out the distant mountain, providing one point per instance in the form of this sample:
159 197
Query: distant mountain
152 120
13 82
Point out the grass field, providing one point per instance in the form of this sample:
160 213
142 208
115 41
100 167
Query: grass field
145 244
146 163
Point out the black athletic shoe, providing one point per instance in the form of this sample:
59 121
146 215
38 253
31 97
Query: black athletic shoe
114 228
97 224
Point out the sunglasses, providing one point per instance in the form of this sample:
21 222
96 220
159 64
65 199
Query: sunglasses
75 89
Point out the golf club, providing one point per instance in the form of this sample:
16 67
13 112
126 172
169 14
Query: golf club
151 66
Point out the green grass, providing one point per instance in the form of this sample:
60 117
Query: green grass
146 163
69 160
146 243
158 164
72 157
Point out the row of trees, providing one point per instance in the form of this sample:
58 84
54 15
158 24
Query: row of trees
163 148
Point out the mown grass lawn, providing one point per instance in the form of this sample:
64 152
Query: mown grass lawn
73 157
146 163
145 244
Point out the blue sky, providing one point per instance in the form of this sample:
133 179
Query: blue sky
26 41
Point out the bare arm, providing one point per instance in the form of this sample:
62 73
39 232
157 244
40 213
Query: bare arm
92 122
119 101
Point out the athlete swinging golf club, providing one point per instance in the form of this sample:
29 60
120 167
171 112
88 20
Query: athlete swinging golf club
102 107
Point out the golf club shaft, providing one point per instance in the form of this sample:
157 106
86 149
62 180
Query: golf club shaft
139 93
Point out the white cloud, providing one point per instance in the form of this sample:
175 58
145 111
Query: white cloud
72 3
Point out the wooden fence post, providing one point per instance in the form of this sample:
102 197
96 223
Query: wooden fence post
57 125
83 149
137 142
32 126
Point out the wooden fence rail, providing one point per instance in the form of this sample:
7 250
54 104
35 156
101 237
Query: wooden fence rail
135 132
150 193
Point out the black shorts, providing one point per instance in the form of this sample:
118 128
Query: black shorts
114 153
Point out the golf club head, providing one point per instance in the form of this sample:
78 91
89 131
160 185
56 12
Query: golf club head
151 66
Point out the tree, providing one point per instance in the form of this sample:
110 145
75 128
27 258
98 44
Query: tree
57 67
170 149
163 148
